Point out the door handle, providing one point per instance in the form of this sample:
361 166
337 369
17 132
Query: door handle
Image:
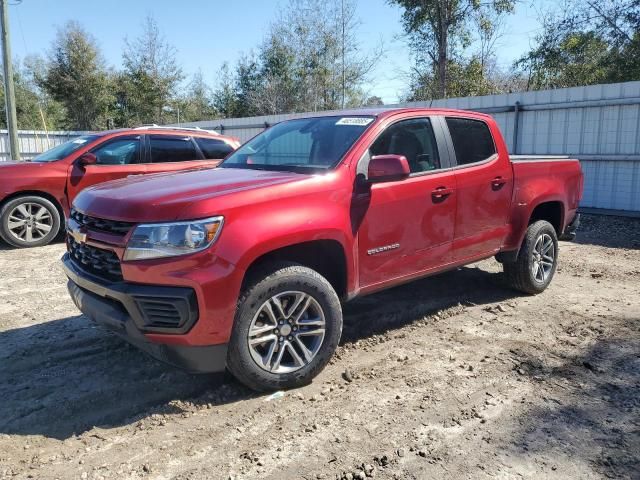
441 193
497 183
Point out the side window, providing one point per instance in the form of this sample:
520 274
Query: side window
121 151
412 138
472 140
212 148
167 148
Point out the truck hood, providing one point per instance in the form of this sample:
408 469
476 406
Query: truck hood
167 196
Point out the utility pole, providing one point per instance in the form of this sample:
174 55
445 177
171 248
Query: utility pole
344 78
9 92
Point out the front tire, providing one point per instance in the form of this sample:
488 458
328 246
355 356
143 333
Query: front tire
287 326
29 221
537 260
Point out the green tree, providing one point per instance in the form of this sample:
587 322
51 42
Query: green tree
31 105
247 85
198 103
310 59
76 76
150 78
439 31
41 110
373 101
224 97
586 43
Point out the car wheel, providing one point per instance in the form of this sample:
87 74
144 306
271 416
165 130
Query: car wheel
287 326
537 260
29 221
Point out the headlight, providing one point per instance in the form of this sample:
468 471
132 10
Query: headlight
155 240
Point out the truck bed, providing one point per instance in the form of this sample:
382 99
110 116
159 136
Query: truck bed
541 179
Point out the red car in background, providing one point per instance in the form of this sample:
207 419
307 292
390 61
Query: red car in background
35 196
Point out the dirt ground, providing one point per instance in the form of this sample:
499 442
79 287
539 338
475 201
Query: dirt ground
453 376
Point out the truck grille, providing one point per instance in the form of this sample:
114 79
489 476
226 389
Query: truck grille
101 224
99 262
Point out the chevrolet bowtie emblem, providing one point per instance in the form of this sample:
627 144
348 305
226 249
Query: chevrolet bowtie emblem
78 236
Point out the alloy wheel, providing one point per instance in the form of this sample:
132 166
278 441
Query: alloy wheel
30 222
287 332
543 258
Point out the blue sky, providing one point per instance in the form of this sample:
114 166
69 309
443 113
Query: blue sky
206 33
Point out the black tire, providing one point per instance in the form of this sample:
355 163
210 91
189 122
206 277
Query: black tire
38 237
276 280
520 274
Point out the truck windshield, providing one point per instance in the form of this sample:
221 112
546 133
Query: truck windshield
63 150
302 145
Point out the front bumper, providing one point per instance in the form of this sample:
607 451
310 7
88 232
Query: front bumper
124 308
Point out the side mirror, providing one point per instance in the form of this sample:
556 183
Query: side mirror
87 159
388 168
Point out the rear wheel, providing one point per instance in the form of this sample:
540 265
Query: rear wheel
537 260
29 221
287 326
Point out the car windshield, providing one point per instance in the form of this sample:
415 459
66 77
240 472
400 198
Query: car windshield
302 145
63 150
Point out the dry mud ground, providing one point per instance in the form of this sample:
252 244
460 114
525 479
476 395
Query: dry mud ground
453 377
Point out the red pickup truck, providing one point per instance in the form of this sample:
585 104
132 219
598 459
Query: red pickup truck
35 196
246 265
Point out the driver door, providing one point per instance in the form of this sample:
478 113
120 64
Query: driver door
117 157
407 226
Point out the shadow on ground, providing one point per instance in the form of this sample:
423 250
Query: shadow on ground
594 417
63 377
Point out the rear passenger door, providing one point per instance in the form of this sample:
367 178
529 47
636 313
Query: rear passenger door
484 185
168 153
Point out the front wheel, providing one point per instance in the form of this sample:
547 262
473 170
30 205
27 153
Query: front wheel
537 260
287 326
29 221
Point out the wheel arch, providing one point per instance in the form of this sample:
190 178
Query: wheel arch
325 256
37 193
551 209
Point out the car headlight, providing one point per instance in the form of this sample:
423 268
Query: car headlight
156 240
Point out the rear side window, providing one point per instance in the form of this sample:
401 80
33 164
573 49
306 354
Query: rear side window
213 149
472 140
165 148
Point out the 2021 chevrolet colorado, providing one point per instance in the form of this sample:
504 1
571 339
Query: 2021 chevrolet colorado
246 266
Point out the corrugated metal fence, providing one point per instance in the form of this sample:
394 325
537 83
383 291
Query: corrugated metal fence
33 142
598 124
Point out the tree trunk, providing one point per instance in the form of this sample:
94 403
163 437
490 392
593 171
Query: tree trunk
442 55
442 71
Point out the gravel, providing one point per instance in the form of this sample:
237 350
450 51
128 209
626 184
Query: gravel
490 383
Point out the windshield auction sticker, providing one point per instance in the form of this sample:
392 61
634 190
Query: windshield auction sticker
359 121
